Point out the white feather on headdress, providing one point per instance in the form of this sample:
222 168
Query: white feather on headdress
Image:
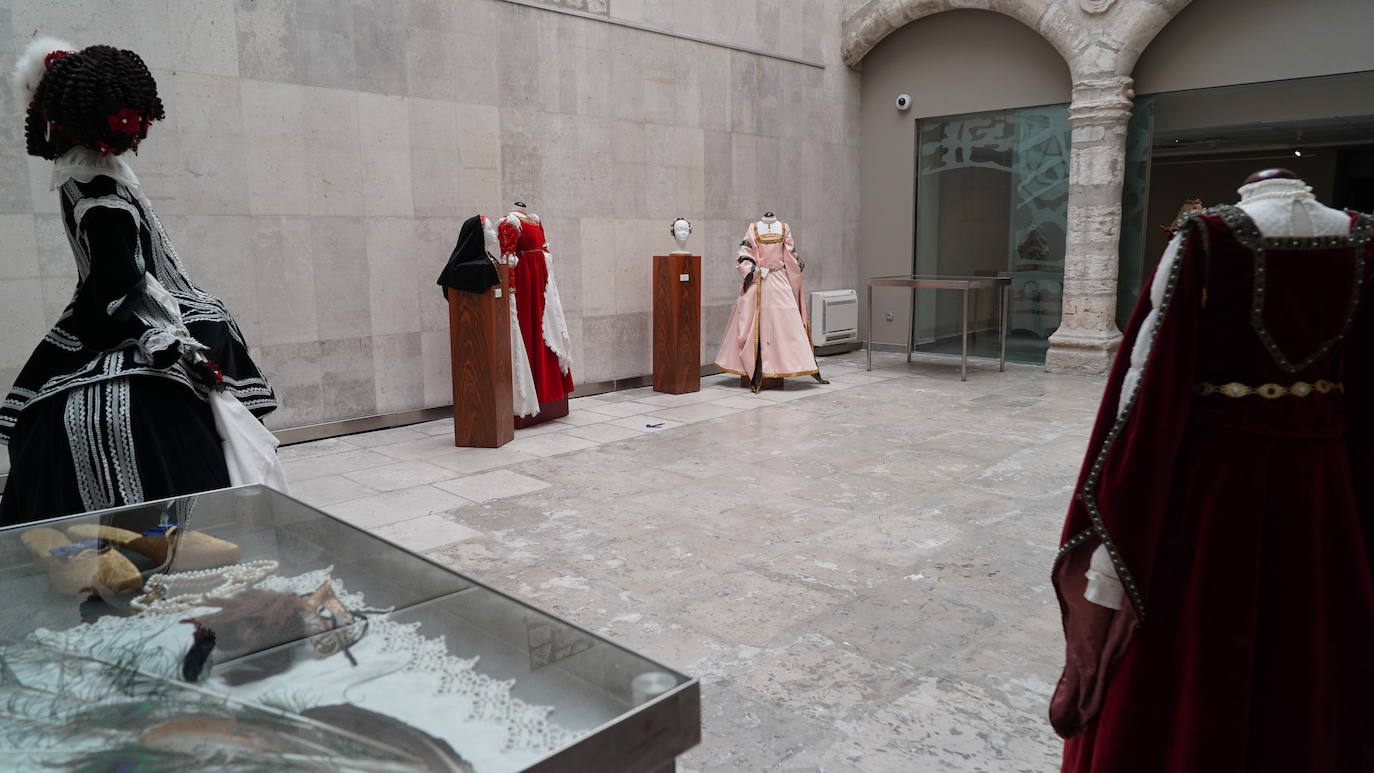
29 68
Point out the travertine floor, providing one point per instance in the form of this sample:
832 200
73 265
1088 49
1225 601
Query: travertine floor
857 572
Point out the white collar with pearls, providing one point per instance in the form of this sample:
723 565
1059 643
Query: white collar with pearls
83 165
1278 188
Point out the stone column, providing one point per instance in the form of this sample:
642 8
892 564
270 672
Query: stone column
1088 337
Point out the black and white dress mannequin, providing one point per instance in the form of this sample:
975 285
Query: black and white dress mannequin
113 406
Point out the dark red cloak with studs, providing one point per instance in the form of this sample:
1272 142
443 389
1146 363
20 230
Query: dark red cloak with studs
1234 488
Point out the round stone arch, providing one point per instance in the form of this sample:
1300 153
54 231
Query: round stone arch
873 21
1100 40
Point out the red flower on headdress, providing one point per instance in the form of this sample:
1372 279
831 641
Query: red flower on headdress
127 120
53 56
104 149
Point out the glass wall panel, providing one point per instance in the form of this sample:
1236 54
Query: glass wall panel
992 195
1135 199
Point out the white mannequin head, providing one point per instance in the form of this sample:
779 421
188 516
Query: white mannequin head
681 230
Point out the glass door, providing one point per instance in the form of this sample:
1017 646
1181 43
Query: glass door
992 193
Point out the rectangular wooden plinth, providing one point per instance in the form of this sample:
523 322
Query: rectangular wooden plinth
677 323
479 346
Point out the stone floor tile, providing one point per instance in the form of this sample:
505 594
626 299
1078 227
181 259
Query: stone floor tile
743 402
603 433
384 437
857 378
469 460
747 607
423 448
622 409
792 391
748 734
686 398
646 423
624 395
928 729
427 532
690 414
703 466
540 429
298 470
551 444
328 490
393 506
497 484
823 680
401 475
578 418
574 402
317 448
440 427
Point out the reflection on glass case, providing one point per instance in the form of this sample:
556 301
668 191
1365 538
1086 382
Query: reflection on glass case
243 630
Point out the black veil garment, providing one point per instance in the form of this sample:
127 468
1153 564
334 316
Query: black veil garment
469 267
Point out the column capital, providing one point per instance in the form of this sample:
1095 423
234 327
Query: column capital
1102 101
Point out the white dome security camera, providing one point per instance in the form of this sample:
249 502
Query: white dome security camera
904 102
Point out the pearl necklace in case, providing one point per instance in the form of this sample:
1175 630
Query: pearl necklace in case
183 591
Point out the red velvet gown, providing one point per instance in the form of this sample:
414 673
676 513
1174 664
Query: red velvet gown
1234 492
542 324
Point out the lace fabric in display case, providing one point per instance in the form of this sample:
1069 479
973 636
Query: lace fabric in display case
243 627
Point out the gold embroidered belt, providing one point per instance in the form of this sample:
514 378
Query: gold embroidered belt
1270 391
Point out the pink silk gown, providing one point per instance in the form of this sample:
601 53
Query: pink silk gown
768 325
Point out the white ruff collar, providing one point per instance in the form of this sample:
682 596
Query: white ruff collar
1275 188
83 165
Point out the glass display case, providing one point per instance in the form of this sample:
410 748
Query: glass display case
245 629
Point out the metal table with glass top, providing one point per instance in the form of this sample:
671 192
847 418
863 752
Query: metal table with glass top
965 284
243 630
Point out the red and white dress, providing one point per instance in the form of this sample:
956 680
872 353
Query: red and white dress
543 366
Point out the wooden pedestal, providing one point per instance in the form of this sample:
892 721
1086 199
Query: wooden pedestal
677 323
479 347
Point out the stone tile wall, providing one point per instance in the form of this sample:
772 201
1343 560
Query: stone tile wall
319 156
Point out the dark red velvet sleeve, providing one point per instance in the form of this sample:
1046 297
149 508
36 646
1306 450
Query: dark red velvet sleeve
1123 489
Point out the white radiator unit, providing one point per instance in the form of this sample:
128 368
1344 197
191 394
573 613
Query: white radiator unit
834 317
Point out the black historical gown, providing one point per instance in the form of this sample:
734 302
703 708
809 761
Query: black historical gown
108 410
